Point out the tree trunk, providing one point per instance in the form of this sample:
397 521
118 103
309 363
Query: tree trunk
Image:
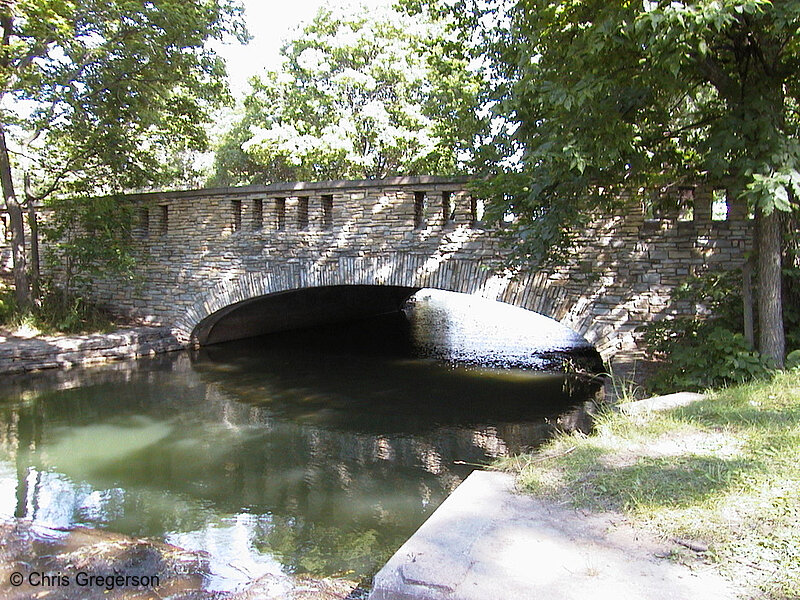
747 302
771 340
33 224
24 438
22 290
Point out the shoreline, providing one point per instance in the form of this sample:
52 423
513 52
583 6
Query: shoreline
488 540
710 475
25 355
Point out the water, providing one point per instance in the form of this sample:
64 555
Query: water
305 452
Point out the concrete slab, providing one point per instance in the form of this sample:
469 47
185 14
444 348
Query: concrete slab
487 542
660 402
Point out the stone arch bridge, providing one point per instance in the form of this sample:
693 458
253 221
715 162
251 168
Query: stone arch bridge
221 264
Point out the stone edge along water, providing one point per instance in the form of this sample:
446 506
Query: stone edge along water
487 542
19 355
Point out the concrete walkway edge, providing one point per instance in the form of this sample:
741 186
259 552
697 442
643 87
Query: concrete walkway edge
657 403
488 542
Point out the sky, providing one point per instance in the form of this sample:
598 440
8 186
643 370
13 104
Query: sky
270 24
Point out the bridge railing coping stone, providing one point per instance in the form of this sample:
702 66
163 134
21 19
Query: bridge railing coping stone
304 186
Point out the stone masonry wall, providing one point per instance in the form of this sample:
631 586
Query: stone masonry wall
201 251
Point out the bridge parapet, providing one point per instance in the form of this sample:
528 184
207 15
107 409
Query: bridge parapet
408 209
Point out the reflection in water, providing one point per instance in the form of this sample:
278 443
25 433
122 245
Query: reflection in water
317 452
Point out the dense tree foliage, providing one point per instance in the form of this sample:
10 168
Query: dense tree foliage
361 93
94 94
599 96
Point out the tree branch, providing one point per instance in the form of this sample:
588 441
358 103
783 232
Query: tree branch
31 197
60 175
7 23
716 76
668 135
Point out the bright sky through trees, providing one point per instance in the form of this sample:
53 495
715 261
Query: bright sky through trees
271 24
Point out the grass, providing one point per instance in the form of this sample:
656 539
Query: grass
625 388
54 314
724 472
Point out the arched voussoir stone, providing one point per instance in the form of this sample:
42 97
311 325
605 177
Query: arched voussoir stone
395 270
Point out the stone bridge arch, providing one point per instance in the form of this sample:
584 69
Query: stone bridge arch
200 252
390 279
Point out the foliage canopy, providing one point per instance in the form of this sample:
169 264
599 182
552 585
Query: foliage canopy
98 93
95 95
362 93
602 97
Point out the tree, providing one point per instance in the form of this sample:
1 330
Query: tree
95 93
360 94
602 97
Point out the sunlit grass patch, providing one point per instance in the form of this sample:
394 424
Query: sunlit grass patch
724 471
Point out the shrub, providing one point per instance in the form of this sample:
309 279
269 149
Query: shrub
55 312
699 352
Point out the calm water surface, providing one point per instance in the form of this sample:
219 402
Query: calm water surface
306 452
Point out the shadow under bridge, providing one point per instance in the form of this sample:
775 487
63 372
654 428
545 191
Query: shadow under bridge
299 309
